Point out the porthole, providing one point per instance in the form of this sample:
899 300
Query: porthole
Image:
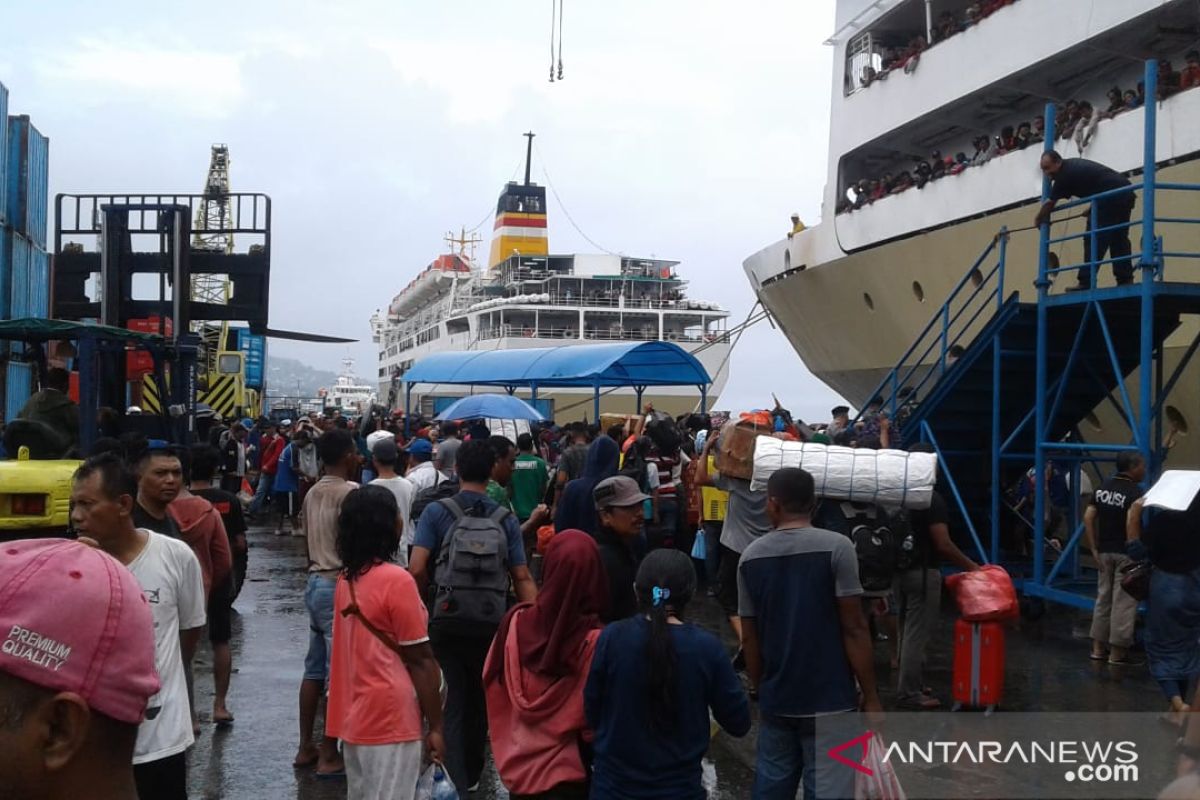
976 278
918 291
1176 419
867 299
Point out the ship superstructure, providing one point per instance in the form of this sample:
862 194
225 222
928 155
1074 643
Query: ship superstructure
527 296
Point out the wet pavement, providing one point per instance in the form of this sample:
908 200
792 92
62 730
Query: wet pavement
1048 669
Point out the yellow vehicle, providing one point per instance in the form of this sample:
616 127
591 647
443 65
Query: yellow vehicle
35 496
36 477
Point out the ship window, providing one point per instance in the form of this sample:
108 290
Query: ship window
976 278
867 299
863 59
787 260
918 291
1176 419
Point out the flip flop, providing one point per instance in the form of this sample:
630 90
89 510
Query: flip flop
1100 657
302 763
923 703
223 722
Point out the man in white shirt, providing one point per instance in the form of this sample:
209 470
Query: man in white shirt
423 474
102 501
385 454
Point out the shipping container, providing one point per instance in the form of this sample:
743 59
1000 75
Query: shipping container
29 268
27 178
6 236
254 351
3 154
18 386
140 362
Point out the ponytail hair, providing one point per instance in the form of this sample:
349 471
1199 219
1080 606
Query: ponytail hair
665 584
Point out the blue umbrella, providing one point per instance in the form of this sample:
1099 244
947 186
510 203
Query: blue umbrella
490 406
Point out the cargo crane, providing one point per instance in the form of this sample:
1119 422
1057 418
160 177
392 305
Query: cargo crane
225 383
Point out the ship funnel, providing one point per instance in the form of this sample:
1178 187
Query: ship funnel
520 227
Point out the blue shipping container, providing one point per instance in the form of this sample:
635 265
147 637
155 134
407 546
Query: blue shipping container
28 179
29 268
254 351
6 236
18 386
3 153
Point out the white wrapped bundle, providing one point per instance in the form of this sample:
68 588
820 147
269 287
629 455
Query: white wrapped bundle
892 478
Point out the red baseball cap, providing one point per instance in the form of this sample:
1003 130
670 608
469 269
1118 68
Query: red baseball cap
74 619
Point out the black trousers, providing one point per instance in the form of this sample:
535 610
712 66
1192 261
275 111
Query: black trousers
1110 211
165 779
465 720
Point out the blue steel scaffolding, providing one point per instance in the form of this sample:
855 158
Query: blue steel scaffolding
1035 371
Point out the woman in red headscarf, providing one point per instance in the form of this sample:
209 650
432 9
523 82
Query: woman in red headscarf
536 670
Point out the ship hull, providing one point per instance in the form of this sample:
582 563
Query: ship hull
852 318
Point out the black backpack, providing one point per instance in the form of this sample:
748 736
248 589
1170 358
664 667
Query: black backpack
442 490
876 545
912 551
471 569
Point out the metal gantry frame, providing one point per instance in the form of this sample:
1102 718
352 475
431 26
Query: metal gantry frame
930 363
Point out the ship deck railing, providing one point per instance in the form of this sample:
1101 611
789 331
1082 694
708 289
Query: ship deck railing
518 332
465 303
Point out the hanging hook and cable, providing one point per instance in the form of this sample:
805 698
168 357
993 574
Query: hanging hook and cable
556 15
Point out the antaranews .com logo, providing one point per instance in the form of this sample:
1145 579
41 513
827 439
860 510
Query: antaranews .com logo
1005 756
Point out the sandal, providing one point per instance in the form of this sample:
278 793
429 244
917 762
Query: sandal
1098 656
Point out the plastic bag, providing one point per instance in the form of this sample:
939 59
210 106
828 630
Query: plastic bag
699 546
882 783
435 784
985 595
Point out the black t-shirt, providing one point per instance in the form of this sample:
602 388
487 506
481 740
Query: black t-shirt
230 509
620 565
1080 177
144 519
921 520
1112 501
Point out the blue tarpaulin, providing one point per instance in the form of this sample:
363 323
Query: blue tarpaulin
588 365
596 366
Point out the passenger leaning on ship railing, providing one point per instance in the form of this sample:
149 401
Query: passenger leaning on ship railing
1079 177
1076 120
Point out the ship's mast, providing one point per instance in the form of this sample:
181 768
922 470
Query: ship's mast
528 153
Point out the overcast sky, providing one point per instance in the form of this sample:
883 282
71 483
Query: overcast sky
683 130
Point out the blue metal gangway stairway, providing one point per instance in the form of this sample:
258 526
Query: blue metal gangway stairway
997 385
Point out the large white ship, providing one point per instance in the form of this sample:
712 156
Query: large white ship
853 292
528 297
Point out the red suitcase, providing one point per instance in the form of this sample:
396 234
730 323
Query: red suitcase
978 665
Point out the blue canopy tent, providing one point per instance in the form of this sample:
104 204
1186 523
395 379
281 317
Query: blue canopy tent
595 366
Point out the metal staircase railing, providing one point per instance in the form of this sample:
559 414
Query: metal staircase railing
949 331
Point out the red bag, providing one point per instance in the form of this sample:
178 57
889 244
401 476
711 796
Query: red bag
985 595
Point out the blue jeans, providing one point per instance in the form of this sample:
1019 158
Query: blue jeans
318 599
787 754
262 492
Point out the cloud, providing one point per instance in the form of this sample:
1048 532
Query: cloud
193 82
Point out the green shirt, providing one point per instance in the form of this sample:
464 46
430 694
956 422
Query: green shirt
529 479
499 494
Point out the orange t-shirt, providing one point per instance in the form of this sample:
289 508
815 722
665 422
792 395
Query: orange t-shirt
371 696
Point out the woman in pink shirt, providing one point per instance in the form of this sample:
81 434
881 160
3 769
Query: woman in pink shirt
536 670
383 678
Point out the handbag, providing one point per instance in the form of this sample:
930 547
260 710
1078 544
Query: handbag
1135 579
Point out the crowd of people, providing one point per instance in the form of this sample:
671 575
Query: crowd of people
1076 121
466 591
906 55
